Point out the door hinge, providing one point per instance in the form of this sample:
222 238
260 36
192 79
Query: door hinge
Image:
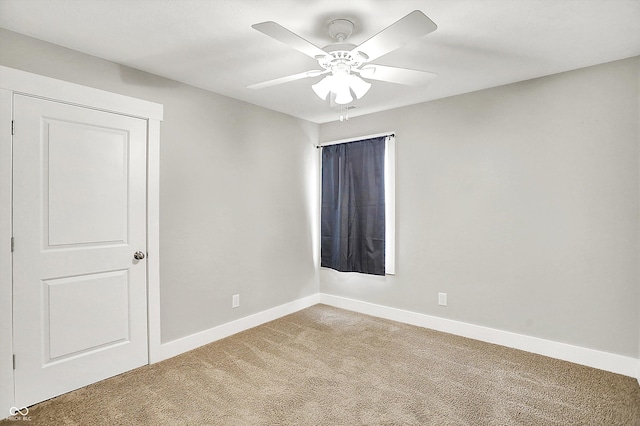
14 361
12 128
13 244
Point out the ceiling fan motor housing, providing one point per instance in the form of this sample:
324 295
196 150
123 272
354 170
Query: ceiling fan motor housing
339 60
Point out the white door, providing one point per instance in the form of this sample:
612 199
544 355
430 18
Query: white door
79 208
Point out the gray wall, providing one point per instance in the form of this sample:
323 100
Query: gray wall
236 215
521 203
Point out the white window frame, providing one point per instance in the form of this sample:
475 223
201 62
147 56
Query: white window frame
390 204
389 193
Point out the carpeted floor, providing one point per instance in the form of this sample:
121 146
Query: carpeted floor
327 366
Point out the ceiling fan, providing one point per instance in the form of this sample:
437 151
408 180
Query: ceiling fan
347 63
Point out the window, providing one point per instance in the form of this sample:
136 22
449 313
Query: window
358 205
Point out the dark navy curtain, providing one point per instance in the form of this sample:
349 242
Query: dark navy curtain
352 214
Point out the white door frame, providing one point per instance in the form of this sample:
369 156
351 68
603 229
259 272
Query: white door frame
16 81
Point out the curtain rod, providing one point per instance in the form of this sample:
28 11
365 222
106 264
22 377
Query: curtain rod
357 138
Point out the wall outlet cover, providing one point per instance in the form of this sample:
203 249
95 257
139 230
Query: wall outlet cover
442 299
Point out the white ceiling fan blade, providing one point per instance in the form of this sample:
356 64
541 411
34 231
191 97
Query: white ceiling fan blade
396 75
287 79
285 36
413 26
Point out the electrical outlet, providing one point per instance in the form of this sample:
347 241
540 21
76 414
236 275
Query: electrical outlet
235 300
442 299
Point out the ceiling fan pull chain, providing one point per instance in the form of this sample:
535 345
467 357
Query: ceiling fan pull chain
344 112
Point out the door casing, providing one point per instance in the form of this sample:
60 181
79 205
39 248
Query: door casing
15 81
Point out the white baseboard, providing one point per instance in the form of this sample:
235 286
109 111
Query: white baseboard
620 364
614 363
185 344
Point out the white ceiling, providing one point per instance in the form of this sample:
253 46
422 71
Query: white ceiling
210 43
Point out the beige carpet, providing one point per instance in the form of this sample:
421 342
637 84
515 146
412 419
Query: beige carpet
326 366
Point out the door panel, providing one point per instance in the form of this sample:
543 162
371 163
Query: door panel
94 163
80 305
98 317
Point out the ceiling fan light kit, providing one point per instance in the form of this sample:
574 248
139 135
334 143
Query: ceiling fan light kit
346 63
341 83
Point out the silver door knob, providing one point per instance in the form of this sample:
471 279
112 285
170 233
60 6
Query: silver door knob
138 255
